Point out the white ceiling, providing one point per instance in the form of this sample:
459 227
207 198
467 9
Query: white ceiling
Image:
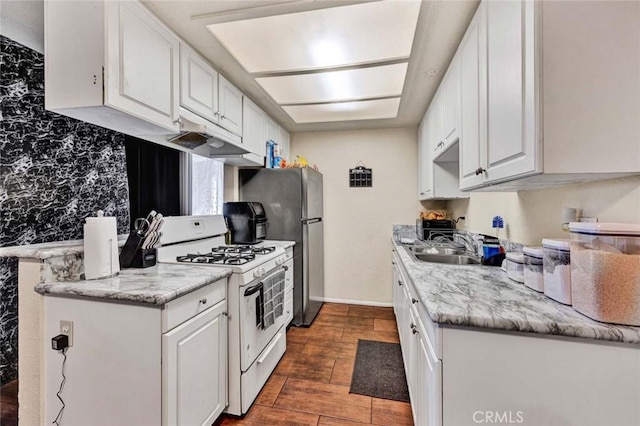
441 25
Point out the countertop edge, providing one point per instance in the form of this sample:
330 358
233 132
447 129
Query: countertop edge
75 289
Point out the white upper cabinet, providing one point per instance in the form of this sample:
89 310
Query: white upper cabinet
437 172
253 136
207 93
271 130
473 101
230 106
285 144
425 176
198 85
450 105
139 91
534 112
511 143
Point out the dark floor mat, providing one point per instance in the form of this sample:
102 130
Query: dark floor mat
379 371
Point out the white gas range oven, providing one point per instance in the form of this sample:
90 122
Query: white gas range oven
259 297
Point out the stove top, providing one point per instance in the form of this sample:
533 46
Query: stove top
227 255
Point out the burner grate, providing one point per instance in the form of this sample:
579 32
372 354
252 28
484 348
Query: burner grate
243 249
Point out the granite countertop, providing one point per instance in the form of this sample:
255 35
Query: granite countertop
156 285
483 296
48 250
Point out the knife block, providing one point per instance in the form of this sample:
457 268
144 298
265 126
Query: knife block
144 258
130 249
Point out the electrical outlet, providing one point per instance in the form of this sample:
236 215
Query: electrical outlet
66 328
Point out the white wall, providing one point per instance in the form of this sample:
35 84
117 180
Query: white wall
532 215
358 221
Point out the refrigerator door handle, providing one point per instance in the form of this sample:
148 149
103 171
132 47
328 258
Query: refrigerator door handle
309 221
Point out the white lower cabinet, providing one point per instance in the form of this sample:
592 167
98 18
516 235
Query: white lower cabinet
194 369
422 367
461 375
139 364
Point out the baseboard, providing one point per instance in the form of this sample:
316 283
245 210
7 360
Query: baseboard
358 302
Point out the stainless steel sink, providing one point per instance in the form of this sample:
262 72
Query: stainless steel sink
435 250
452 259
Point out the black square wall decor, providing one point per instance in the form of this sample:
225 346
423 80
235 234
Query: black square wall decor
360 177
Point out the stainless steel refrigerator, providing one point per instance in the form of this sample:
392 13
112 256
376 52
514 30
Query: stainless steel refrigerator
292 199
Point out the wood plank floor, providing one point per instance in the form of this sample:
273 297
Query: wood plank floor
310 385
9 404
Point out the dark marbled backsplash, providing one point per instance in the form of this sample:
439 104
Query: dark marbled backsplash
54 172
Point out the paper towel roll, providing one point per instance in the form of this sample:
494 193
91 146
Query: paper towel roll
100 247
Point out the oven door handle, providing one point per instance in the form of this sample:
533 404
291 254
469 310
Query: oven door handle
254 289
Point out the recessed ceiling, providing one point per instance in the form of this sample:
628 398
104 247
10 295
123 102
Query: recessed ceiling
327 38
438 30
332 86
328 55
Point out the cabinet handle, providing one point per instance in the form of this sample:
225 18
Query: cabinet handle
285 268
414 301
203 300
413 326
222 116
400 283
440 144
414 331
480 170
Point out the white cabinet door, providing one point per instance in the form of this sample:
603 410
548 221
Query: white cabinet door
230 102
429 382
142 65
427 155
511 141
473 98
450 104
424 190
271 132
435 111
253 127
198 85
194 365
285 143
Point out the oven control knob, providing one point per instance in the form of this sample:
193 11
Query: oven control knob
256 273
278 261
262 271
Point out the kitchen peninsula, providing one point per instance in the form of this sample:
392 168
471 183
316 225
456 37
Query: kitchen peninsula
55 269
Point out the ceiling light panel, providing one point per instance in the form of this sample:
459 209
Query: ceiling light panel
333 37
330 86
344 111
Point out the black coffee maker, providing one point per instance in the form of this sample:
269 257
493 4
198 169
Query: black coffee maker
246 221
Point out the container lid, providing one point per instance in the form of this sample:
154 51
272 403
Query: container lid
533 252
561 244
620 229
515 257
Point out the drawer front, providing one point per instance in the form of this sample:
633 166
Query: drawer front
433 330
257 375
191 304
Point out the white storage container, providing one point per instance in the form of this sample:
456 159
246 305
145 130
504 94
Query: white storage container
605 271
556 263
533 270
515 267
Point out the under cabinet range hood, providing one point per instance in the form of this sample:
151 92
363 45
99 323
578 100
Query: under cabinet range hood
201 137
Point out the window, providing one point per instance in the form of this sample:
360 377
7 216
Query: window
206 185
